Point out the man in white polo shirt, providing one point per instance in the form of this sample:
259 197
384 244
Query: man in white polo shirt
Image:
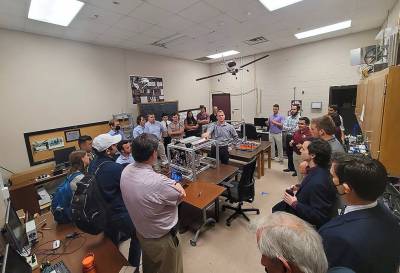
152 202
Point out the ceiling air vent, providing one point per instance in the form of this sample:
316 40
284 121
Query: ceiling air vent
256 40
203 59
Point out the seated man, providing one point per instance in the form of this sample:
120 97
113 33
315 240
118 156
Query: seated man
224 133
324 128
125 150
315 198
366 236
289 244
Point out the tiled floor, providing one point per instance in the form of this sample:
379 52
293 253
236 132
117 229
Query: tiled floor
233 249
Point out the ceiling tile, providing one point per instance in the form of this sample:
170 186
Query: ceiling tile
238 9
15 7
172 6
140 39
196 30
200 12
158 32
123 7
176 22
100 15
90 25
118 33
11 21
43 28
132 24
80 35
151 14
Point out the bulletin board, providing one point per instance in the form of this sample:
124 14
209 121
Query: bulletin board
41 144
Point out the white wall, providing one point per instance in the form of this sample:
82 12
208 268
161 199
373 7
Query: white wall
394 16
49 83
311 67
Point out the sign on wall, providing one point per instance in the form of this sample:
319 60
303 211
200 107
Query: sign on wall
146 89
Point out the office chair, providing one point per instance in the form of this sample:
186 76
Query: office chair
241 191
251 132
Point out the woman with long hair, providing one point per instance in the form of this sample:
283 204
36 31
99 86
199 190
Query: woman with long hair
79 161
191 126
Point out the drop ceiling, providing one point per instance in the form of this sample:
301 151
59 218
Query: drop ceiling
191 29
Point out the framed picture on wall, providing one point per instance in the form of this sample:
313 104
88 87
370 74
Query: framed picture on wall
72 135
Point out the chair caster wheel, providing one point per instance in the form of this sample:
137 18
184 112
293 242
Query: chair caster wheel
258 212
193 243
228 224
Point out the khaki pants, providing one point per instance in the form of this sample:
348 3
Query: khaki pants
161 152
161 255
296 162
276 138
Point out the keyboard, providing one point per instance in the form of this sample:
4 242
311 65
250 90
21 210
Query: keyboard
59 267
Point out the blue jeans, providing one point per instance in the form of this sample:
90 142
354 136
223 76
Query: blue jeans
121 224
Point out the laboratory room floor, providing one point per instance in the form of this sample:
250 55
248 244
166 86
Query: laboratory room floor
234 249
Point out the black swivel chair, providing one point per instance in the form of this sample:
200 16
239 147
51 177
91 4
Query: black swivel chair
241 191
251 132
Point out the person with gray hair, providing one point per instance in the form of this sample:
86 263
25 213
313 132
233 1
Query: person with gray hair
289 244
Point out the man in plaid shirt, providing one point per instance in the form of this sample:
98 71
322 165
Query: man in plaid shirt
290 125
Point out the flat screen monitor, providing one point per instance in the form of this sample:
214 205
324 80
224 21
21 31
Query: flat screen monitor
15 230
260 122
61 156
12 262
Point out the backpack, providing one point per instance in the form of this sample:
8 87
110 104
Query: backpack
61 200
88 207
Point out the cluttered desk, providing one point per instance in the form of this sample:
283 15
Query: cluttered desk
44 246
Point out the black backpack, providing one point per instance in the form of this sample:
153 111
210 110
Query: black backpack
89 209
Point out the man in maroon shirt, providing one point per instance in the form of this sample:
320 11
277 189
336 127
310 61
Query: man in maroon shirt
298 139
203 117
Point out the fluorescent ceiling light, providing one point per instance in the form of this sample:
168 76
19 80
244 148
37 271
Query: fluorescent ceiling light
59 12
322 30
223 54
272 5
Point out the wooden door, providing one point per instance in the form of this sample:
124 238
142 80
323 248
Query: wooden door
374 111
362 89
390 144
223 102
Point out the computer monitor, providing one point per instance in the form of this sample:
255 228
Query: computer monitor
61 156
14 230
12 262
260 122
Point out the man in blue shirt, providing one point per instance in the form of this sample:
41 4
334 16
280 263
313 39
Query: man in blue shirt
154 127
115 128
139 129
108 178
275 132
125 150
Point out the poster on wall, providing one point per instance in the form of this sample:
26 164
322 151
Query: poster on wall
48 144
146 89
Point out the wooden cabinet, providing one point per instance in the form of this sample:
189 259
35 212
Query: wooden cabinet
378 113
